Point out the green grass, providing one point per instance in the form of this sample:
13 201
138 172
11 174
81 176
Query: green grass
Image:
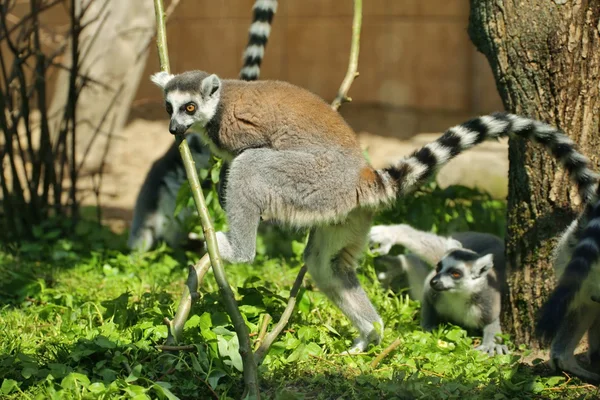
81 320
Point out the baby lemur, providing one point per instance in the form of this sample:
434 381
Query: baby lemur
296 161
466 286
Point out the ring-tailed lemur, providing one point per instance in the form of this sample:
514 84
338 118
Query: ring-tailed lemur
295 160
573 308
153 218
466 286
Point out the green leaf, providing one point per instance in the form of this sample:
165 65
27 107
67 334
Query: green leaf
28 371
214 377
162 388
74 380
104 342
8 385
554 381
230 348
97 387
136 372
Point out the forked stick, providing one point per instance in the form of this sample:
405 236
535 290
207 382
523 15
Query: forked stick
249 365
190 294
262 351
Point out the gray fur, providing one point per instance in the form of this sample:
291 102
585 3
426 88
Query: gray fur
153 215
583 312
471 301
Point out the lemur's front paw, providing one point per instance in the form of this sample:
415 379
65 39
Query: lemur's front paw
225 250
362 342
493 348
383 236
231 254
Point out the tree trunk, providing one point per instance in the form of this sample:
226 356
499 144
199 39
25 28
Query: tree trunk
545 56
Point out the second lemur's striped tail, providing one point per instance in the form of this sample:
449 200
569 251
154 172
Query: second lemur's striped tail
412 171
586 255
264 10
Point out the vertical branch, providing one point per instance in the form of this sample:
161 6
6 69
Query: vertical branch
352 73
161 36
72 103
249 365
46 158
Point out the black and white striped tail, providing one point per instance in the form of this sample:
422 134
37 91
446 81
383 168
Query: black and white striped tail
413 171
585 255
264 10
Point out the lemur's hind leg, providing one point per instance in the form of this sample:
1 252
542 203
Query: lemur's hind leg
331 256
594 341
566 340
298 188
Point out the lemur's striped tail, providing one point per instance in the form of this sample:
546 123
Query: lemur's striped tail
585 256
412 171
264 10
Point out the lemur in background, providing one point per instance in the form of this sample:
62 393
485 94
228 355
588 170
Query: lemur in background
153 215
574 306
466 286
296 161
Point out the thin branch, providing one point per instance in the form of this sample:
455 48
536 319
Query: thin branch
262 351
189 347
352 73
262 331
385 352
161 36
250 370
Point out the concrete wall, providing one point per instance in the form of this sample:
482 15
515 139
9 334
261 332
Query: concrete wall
419 71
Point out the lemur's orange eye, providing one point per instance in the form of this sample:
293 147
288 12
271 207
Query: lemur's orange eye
455 275
190 108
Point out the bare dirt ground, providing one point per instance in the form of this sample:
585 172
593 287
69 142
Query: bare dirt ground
143 141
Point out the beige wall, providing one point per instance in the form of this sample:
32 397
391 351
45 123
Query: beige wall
418 70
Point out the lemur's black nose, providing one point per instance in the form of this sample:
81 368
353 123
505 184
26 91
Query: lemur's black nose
436 284
177 129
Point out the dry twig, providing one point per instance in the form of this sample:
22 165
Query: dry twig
385 352
262 331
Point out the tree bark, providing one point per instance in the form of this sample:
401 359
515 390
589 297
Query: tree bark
545 56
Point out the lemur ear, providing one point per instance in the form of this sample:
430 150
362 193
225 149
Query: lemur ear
161 78
210 86
482 265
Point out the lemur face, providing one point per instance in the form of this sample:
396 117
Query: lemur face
183 109
191 98
461 270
